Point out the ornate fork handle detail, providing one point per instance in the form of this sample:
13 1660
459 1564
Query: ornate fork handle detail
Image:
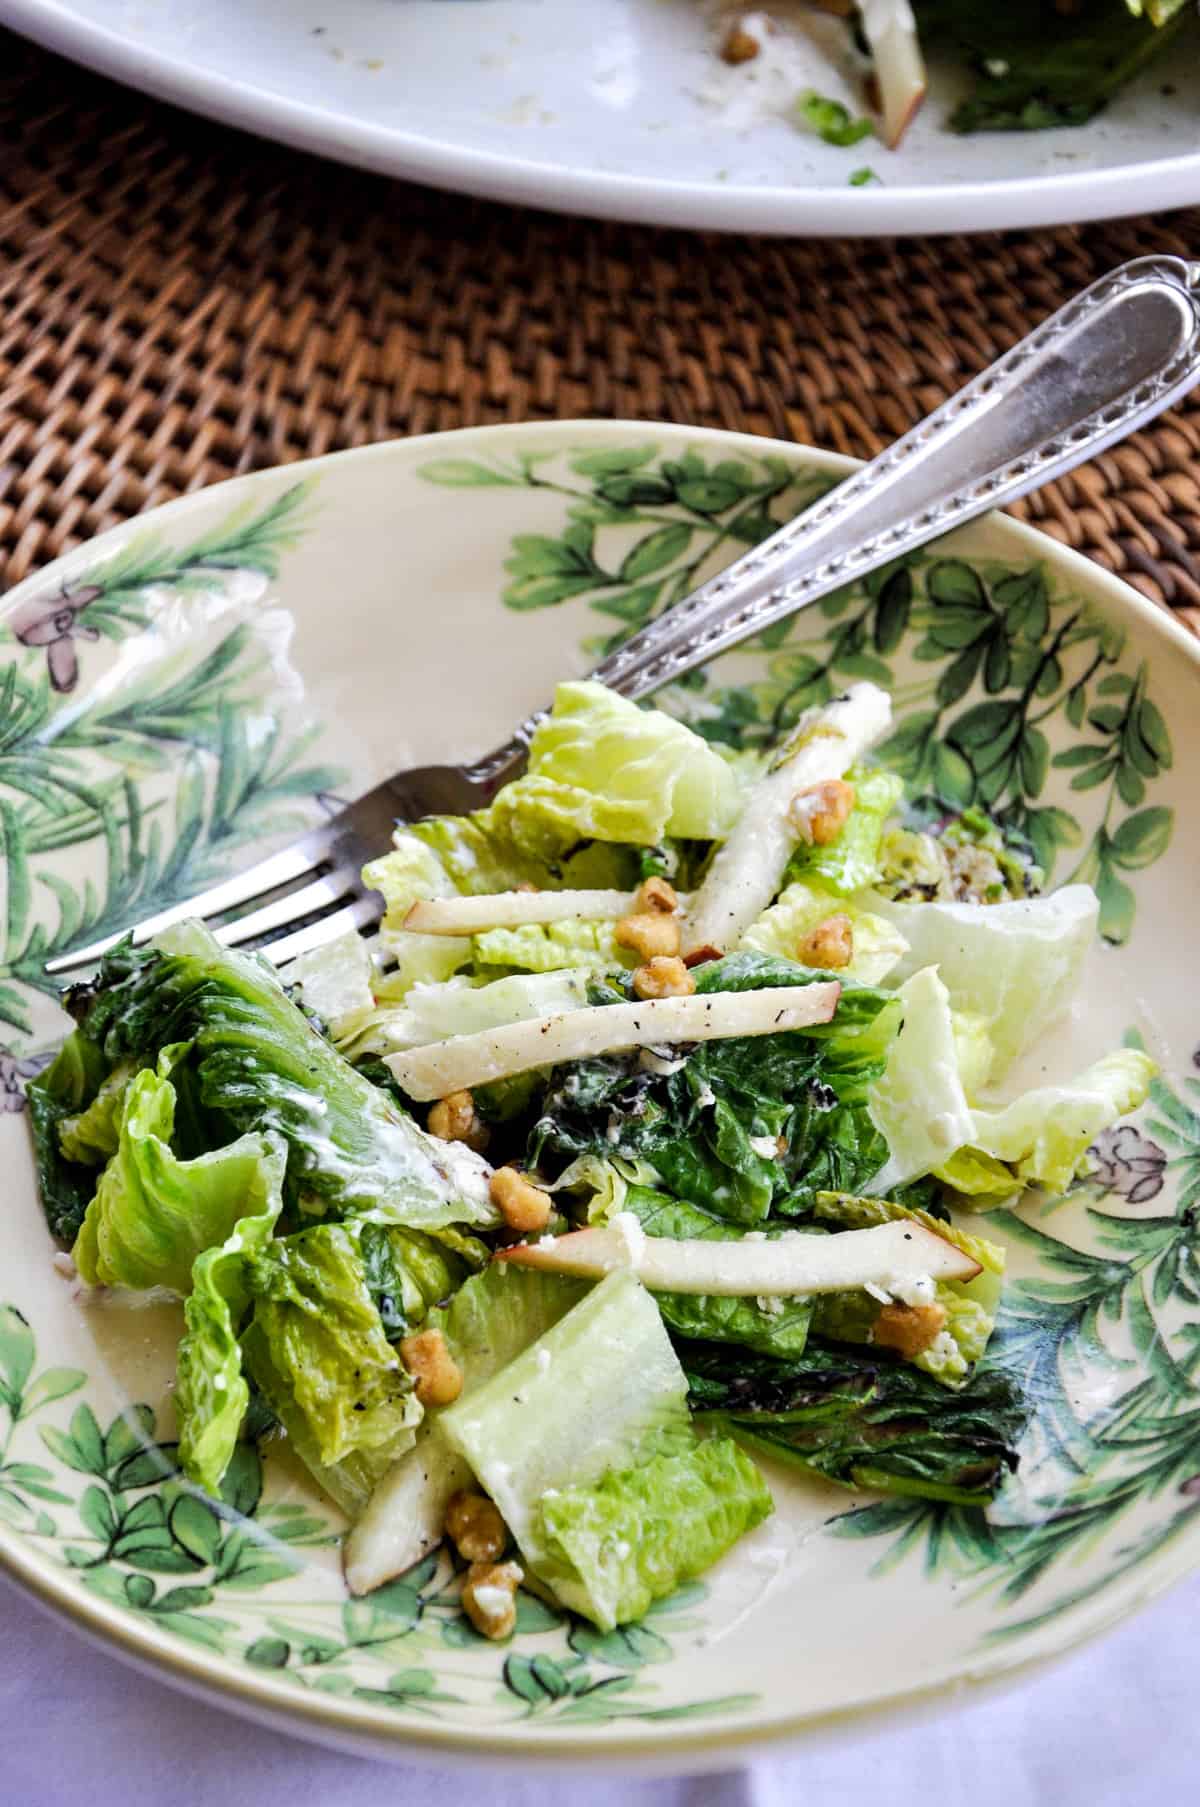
1111 360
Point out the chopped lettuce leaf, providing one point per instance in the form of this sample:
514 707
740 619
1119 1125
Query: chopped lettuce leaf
919 1104
491 1318
602 769
618 1544
1016 964
60 1092
412 871
851 862
408 1272
211 1394
740 1126
597 1390
547 947
152 1213
979 1177
334 981
317 1349
878 945
973 1050
91 1136
1045 1133
258 1064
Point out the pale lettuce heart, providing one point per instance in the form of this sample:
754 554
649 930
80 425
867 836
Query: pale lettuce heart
602 769
1016 964
878 944
412 871
1045 1133
335 981
920 1105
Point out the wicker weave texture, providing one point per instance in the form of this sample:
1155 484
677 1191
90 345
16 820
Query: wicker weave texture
179 303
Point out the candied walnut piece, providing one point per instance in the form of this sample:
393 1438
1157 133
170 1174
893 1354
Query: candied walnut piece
437 1375
474 1525
818 812
829 945
665 976
649 933
455 1119
489 1597
524 1206
656 894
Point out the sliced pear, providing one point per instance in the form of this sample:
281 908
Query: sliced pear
746 872
471 1060
513 909
404 1517
789 1265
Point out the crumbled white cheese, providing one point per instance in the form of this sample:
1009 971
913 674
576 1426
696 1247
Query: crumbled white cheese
766 1146
630 1234
770 1304
705 1096
943 1348
542 1360
919 1289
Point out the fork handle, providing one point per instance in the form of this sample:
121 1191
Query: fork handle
1102 366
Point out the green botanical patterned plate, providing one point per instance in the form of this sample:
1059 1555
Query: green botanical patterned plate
188 687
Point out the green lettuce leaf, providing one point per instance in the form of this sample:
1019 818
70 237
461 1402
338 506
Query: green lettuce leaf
740 1127
538 947
1045 1133
410 872
408 1272
918 1104
318 1351
632 1537
1016 964
211 1394
602 769
258 1064
153 1213
55 1096
851 862
91 1136
861 1420
334 982
878 946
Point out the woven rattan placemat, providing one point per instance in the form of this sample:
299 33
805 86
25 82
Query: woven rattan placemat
180 302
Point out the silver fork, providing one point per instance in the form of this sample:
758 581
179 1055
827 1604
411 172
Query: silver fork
1112 359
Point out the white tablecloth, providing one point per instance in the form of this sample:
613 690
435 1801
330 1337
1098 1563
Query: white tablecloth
1117 1724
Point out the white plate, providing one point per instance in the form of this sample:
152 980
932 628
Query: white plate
597 109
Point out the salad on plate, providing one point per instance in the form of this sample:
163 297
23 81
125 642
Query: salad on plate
1029 65
650 1142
